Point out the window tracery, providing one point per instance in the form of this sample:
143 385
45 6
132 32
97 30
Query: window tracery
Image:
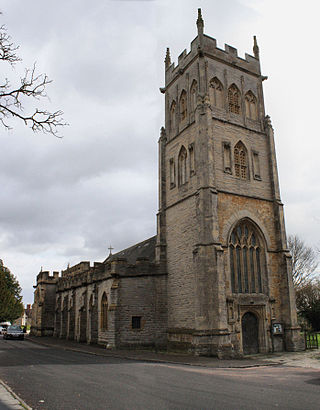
216 93
234 99
251 105
246 259
240 161
183 106
182 166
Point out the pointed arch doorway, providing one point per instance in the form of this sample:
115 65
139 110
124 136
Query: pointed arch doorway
250 333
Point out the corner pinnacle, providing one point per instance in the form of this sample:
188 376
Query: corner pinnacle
167 59
255 48
200 23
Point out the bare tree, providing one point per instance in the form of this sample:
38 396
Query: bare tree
30 85
304 261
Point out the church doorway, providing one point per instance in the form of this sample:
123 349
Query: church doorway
250 333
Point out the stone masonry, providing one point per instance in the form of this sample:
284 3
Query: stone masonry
216 279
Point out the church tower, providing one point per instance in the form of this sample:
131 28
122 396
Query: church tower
221 235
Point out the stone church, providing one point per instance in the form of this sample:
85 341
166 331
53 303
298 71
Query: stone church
216 279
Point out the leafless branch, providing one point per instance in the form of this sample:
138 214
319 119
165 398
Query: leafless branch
7 48
304 261
31 85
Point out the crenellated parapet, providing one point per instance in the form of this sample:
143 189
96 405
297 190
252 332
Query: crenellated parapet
206 46
45 277
81 274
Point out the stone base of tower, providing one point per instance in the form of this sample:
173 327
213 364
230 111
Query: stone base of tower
202 343
294 342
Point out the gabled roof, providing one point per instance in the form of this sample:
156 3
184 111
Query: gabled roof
145 249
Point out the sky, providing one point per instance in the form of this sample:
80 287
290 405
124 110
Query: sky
66 200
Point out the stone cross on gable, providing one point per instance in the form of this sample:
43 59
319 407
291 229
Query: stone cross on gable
110 249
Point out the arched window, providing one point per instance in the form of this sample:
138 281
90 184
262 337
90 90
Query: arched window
183 106
193 96
251 105
182 166
104 312
173 117
216 93
246 259
234 99
240 161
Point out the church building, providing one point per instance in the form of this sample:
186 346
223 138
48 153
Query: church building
216 279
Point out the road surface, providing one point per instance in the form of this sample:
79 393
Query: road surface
53 378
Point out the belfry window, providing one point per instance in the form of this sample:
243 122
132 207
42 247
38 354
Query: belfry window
183 106
216 93
240 161
104 313
182 166
251 106
246 259
234 99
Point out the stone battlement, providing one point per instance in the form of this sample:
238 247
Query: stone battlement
207 46
76 269
44 276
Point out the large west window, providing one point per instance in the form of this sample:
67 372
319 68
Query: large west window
246 259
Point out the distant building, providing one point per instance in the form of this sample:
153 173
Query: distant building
26 318
216 279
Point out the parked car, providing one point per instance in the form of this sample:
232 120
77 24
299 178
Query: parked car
3 326
13 332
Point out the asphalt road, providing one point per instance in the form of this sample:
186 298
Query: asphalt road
52 378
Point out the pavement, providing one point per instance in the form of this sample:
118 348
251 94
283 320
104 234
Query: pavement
9 400
310 359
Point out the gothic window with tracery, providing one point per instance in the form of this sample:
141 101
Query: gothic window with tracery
182 166
193 96
240 161
246 259
234 99
183 106
104 312
216 93
173 117
251 105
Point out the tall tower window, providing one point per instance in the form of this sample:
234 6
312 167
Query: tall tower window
251 105
240 161
182 166
104 312
183 106
173 117
191 159
216 93
172 173
227 157
193 96
234 99
246 259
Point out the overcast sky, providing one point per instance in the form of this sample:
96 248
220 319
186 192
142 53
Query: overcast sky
66 200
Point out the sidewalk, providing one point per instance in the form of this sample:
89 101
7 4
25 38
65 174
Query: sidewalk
9 400
152 356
